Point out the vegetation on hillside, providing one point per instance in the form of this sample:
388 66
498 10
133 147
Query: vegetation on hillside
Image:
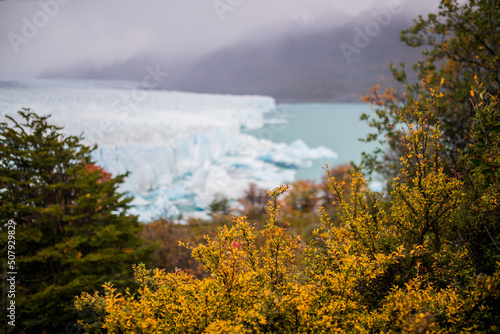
423 255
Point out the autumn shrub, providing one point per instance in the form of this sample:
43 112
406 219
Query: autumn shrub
411 260
166 234
457 41
254 203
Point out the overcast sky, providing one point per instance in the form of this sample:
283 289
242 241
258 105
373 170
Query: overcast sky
35 35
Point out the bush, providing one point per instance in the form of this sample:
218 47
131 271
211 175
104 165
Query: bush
458 42
396 262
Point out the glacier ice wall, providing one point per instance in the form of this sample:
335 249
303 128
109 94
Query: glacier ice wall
181 149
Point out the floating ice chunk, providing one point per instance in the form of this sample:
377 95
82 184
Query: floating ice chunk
296 155
300 150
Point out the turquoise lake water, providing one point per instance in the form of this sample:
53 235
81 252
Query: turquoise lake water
333 125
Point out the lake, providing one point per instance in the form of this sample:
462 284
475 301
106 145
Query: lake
182 149
334 125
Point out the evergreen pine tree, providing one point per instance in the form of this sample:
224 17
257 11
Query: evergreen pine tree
73 232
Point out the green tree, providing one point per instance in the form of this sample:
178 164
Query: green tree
73 232
460 41
219 205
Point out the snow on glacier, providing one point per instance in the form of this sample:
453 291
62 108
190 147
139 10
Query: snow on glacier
181 149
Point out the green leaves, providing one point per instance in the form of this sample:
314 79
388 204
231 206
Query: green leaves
485 148
457 43
70 236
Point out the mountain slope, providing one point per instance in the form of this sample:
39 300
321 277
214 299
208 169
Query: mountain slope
297 65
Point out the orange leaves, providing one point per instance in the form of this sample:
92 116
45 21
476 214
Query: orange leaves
105 176
303 196
381 99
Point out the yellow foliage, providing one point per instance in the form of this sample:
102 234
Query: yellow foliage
394 265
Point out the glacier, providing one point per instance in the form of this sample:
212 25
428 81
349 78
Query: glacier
181 149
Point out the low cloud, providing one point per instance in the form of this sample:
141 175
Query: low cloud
36 35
